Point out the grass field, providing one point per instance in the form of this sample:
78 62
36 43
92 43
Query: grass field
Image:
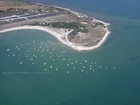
5 4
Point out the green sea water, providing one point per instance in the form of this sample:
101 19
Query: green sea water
36 69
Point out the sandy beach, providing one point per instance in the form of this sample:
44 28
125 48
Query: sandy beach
63 37
59 37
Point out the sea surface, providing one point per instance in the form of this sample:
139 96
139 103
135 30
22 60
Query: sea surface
36 69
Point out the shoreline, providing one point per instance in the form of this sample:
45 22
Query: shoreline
64 35
58 36
79 14
83 48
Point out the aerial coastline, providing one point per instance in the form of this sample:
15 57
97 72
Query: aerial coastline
78 31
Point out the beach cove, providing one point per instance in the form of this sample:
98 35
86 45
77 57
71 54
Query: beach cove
59 37
80 32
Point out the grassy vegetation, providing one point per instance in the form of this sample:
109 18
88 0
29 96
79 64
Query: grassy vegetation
15 3
76 26
75 31
6 4
65 25
35 24
99 24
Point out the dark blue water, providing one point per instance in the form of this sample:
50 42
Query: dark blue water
121 8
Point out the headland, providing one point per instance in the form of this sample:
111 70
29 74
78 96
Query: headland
74 29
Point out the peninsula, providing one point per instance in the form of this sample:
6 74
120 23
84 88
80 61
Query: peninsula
74 29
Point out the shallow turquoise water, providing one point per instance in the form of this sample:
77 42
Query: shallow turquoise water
36 69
